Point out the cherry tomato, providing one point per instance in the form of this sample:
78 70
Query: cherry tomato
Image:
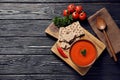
78 9
66 13
75 15
71 8
82 16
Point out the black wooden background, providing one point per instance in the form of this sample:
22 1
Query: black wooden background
25 49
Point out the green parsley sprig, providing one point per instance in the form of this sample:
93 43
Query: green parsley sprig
64 21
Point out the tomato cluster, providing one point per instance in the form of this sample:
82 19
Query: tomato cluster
76 11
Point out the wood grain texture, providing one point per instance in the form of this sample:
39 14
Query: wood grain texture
22 24
25 45
57 1
41 64
49 10
54 77
30 28
34 64
23 27
40 77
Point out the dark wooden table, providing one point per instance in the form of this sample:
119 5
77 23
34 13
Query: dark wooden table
25 49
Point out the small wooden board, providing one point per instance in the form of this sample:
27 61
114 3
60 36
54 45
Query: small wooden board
53 31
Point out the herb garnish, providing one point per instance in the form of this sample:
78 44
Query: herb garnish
83 52
64 21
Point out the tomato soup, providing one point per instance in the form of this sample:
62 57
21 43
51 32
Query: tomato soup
83 53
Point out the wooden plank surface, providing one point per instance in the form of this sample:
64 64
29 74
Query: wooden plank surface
49 10
41 64
58 77
29 28
39 77
25 45
23 27
34 64
57 1
22 24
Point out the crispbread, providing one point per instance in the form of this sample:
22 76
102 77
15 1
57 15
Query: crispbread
65 45
69 33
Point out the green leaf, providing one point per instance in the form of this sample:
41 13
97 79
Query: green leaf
70 17
83 52
64 21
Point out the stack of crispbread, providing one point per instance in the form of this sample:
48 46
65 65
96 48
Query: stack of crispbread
68 34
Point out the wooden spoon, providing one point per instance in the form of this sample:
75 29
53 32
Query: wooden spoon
101 25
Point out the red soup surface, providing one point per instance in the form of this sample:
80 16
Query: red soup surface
83 60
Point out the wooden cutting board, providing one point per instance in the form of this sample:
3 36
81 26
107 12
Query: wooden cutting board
53 31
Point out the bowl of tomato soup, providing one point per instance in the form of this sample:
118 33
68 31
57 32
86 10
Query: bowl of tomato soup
83 53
